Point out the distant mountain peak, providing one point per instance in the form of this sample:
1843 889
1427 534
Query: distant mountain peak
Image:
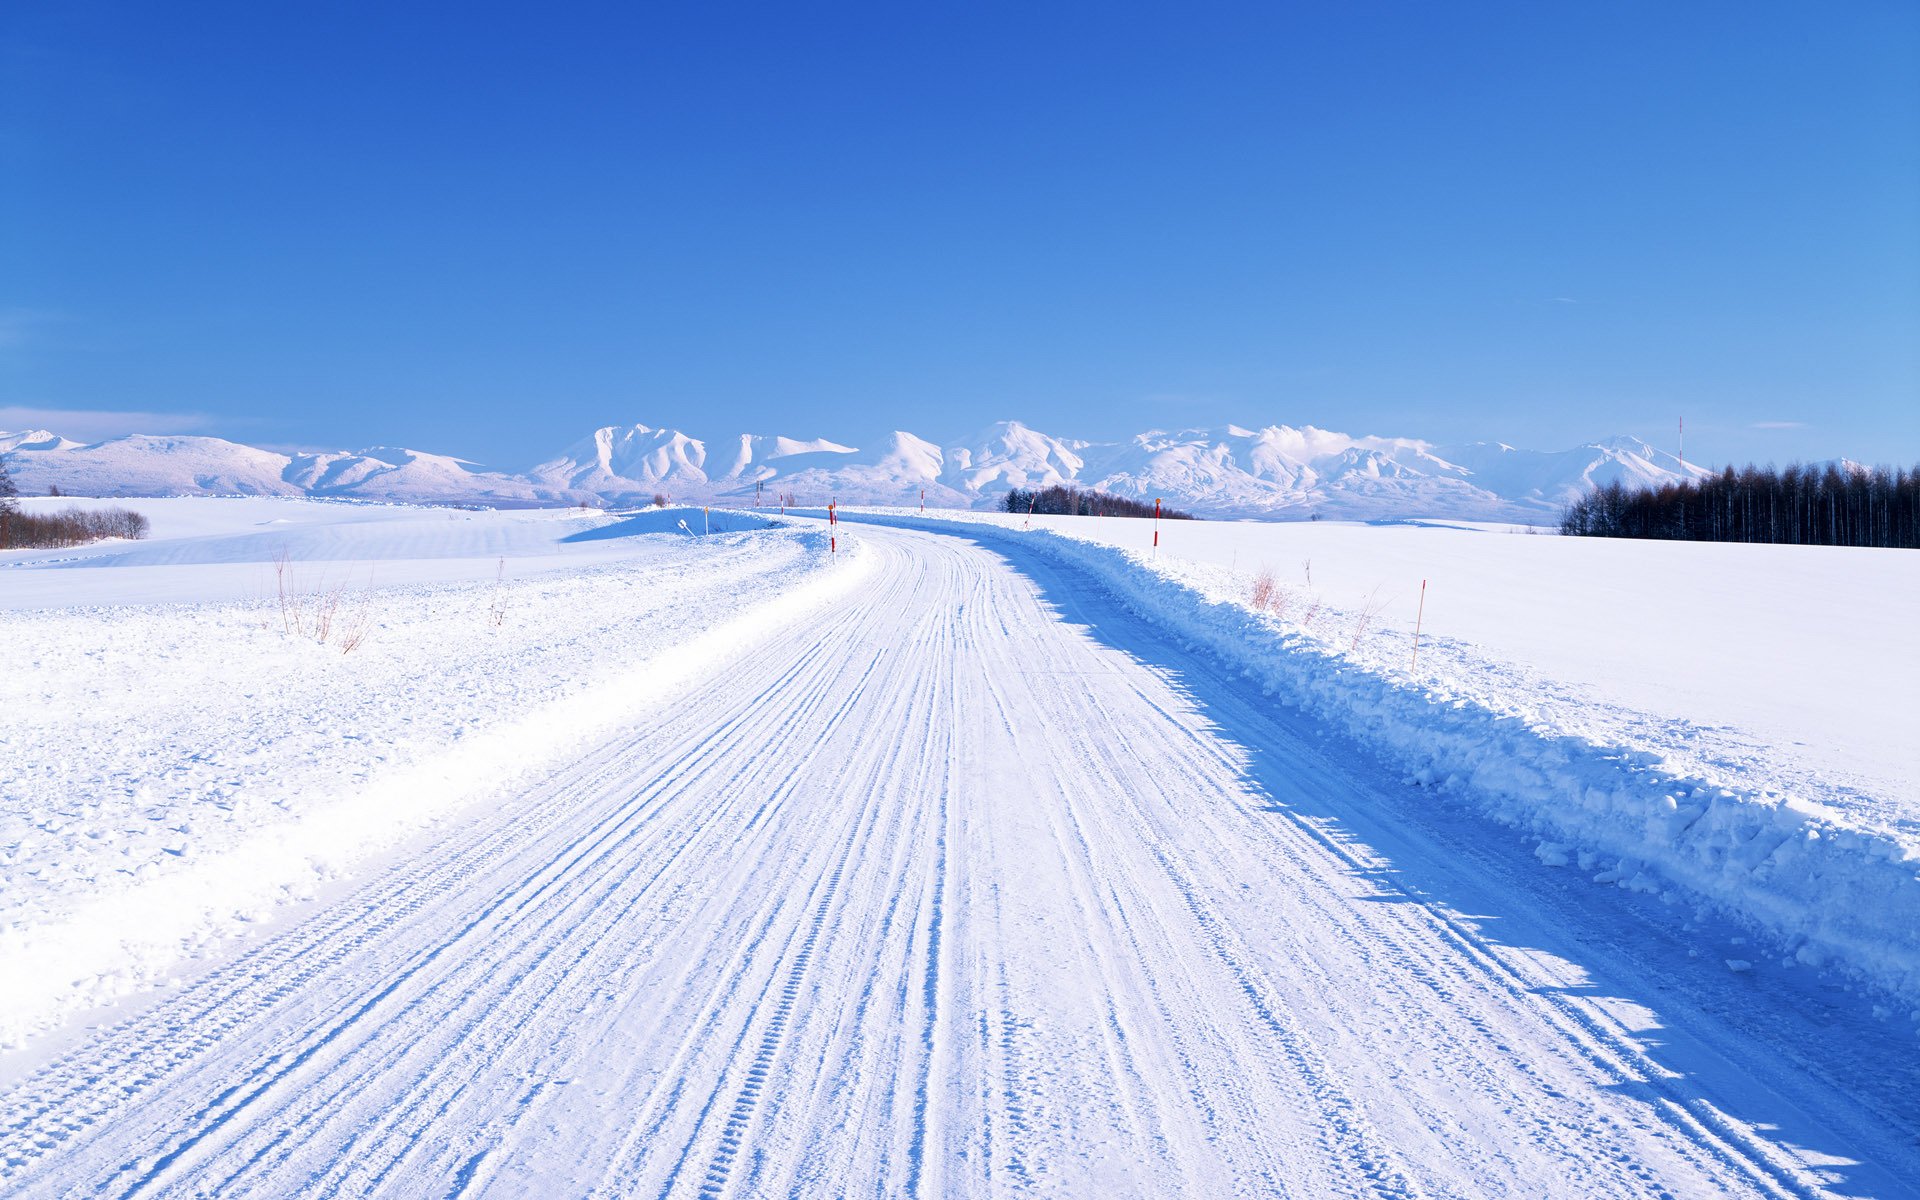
1277 470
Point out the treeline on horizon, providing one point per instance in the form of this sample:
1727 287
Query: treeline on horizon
76 526
1825 505
1061 501
69 527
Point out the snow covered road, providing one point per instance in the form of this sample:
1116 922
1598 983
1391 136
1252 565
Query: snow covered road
982 886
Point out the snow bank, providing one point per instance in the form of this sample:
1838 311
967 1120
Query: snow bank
1791 664
1828 893
172 773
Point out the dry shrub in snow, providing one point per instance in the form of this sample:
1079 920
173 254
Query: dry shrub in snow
1263 591
1364 621
1268 596
326 614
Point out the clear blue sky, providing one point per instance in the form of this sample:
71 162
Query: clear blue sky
484 230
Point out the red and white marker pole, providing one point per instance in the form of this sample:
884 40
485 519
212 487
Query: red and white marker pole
923 499
833 527
1156 525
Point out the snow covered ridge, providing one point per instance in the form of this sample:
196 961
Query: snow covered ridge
1229 471
172 773
1827 891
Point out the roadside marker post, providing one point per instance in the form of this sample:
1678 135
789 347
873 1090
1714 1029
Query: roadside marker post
1156 526
706 520
1418 617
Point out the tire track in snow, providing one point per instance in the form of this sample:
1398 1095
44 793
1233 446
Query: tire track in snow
196 1020
957 894
570 847
862 774
594 931
1621 1062
1589 1038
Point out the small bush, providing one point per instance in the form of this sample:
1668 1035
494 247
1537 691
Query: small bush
319 614
1264 589
1368 614
20 530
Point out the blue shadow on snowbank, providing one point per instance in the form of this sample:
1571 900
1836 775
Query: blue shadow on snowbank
1752 1049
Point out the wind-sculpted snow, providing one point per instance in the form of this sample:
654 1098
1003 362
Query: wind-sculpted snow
1826 883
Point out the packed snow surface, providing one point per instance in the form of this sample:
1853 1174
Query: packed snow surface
1675 718
965 862
1790 663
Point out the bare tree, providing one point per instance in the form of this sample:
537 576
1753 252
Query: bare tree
9 506
69 527
1079 502
1826 505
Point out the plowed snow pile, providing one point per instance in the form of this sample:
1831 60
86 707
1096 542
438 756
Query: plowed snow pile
197 728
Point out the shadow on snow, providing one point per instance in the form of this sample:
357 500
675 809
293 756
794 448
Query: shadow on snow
1814 1035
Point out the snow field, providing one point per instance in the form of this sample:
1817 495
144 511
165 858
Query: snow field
985 885
1695 813
171 773
231 544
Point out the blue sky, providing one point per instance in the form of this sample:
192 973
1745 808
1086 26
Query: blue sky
484 230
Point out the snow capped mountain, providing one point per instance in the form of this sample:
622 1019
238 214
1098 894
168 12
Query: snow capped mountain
1277 471
1286 471
392 473
34 439
895 474
628 464
1553 478
757 455
142 465
1009 455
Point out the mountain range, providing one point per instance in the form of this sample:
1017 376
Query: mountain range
1278 472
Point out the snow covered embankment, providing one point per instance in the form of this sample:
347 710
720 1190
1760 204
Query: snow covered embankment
170 774
1829 895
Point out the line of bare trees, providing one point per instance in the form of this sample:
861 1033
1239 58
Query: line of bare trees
1076 502
1827 505
22 530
